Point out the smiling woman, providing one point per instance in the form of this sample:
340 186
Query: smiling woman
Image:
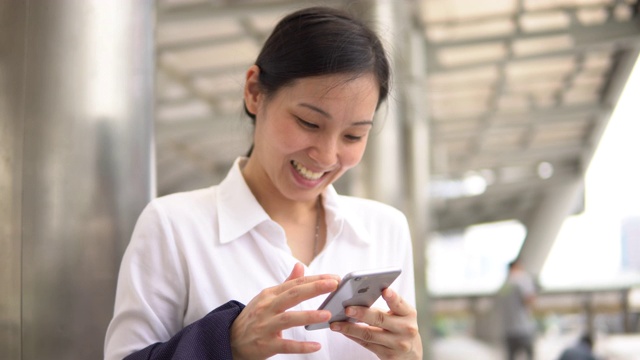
294 160
308 135
275 235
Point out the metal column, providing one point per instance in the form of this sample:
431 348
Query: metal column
546 220
396 165
380 176
12 47
418 166
76 121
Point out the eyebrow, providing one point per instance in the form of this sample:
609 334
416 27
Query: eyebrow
327 115
316 109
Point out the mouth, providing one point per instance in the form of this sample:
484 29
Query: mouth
306 173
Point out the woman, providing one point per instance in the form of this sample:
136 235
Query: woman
312 95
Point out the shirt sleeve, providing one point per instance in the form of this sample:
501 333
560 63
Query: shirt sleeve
151 300
207 338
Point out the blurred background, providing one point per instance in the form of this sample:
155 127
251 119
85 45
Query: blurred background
512 131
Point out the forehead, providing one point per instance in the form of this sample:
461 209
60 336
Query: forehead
348 87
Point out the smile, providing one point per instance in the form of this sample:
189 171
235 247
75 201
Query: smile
306 173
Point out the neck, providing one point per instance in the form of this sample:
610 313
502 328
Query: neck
271 199
302 220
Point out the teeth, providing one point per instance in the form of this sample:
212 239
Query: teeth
306 173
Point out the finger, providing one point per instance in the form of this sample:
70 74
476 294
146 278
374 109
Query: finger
363 334
289 319
296 272
375 339
390 321
392 348
372 317
299 293
378 349
396 303
285 346
291 283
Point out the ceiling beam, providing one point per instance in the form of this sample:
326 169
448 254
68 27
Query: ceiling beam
232 9
611 34
190 44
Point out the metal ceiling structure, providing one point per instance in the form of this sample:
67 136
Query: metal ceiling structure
518 93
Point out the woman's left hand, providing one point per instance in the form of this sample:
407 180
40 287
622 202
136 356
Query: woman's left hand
390 335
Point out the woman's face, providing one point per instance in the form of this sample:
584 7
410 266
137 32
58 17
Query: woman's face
309 133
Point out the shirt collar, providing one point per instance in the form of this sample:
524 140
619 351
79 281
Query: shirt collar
239 211
345 218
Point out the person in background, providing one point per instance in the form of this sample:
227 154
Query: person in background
581 350
515 301
236 270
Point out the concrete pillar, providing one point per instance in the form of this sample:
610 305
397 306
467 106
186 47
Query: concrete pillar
546 220
380 176
417 170
396 165
76 169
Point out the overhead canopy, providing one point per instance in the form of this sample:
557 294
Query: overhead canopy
517 94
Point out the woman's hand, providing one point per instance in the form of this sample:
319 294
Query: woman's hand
390 335
257 331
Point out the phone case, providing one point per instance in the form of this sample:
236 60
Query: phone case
358 288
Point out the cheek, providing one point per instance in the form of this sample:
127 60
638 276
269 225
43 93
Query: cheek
283 136
353 154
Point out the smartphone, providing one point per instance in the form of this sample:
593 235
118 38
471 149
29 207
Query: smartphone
358 288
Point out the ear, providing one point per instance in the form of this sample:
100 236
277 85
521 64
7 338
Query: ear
252 92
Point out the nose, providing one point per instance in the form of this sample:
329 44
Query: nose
325 151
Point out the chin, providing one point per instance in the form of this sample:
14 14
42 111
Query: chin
304 195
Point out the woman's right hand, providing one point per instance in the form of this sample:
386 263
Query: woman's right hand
257 331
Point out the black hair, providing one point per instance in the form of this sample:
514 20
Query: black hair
320 41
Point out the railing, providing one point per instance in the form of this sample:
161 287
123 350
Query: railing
622 303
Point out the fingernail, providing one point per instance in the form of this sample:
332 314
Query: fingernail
335 327
325 315
331 285
350 312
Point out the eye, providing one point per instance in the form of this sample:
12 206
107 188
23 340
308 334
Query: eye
353 138
307 124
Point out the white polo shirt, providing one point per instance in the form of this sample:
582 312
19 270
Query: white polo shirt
194 251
